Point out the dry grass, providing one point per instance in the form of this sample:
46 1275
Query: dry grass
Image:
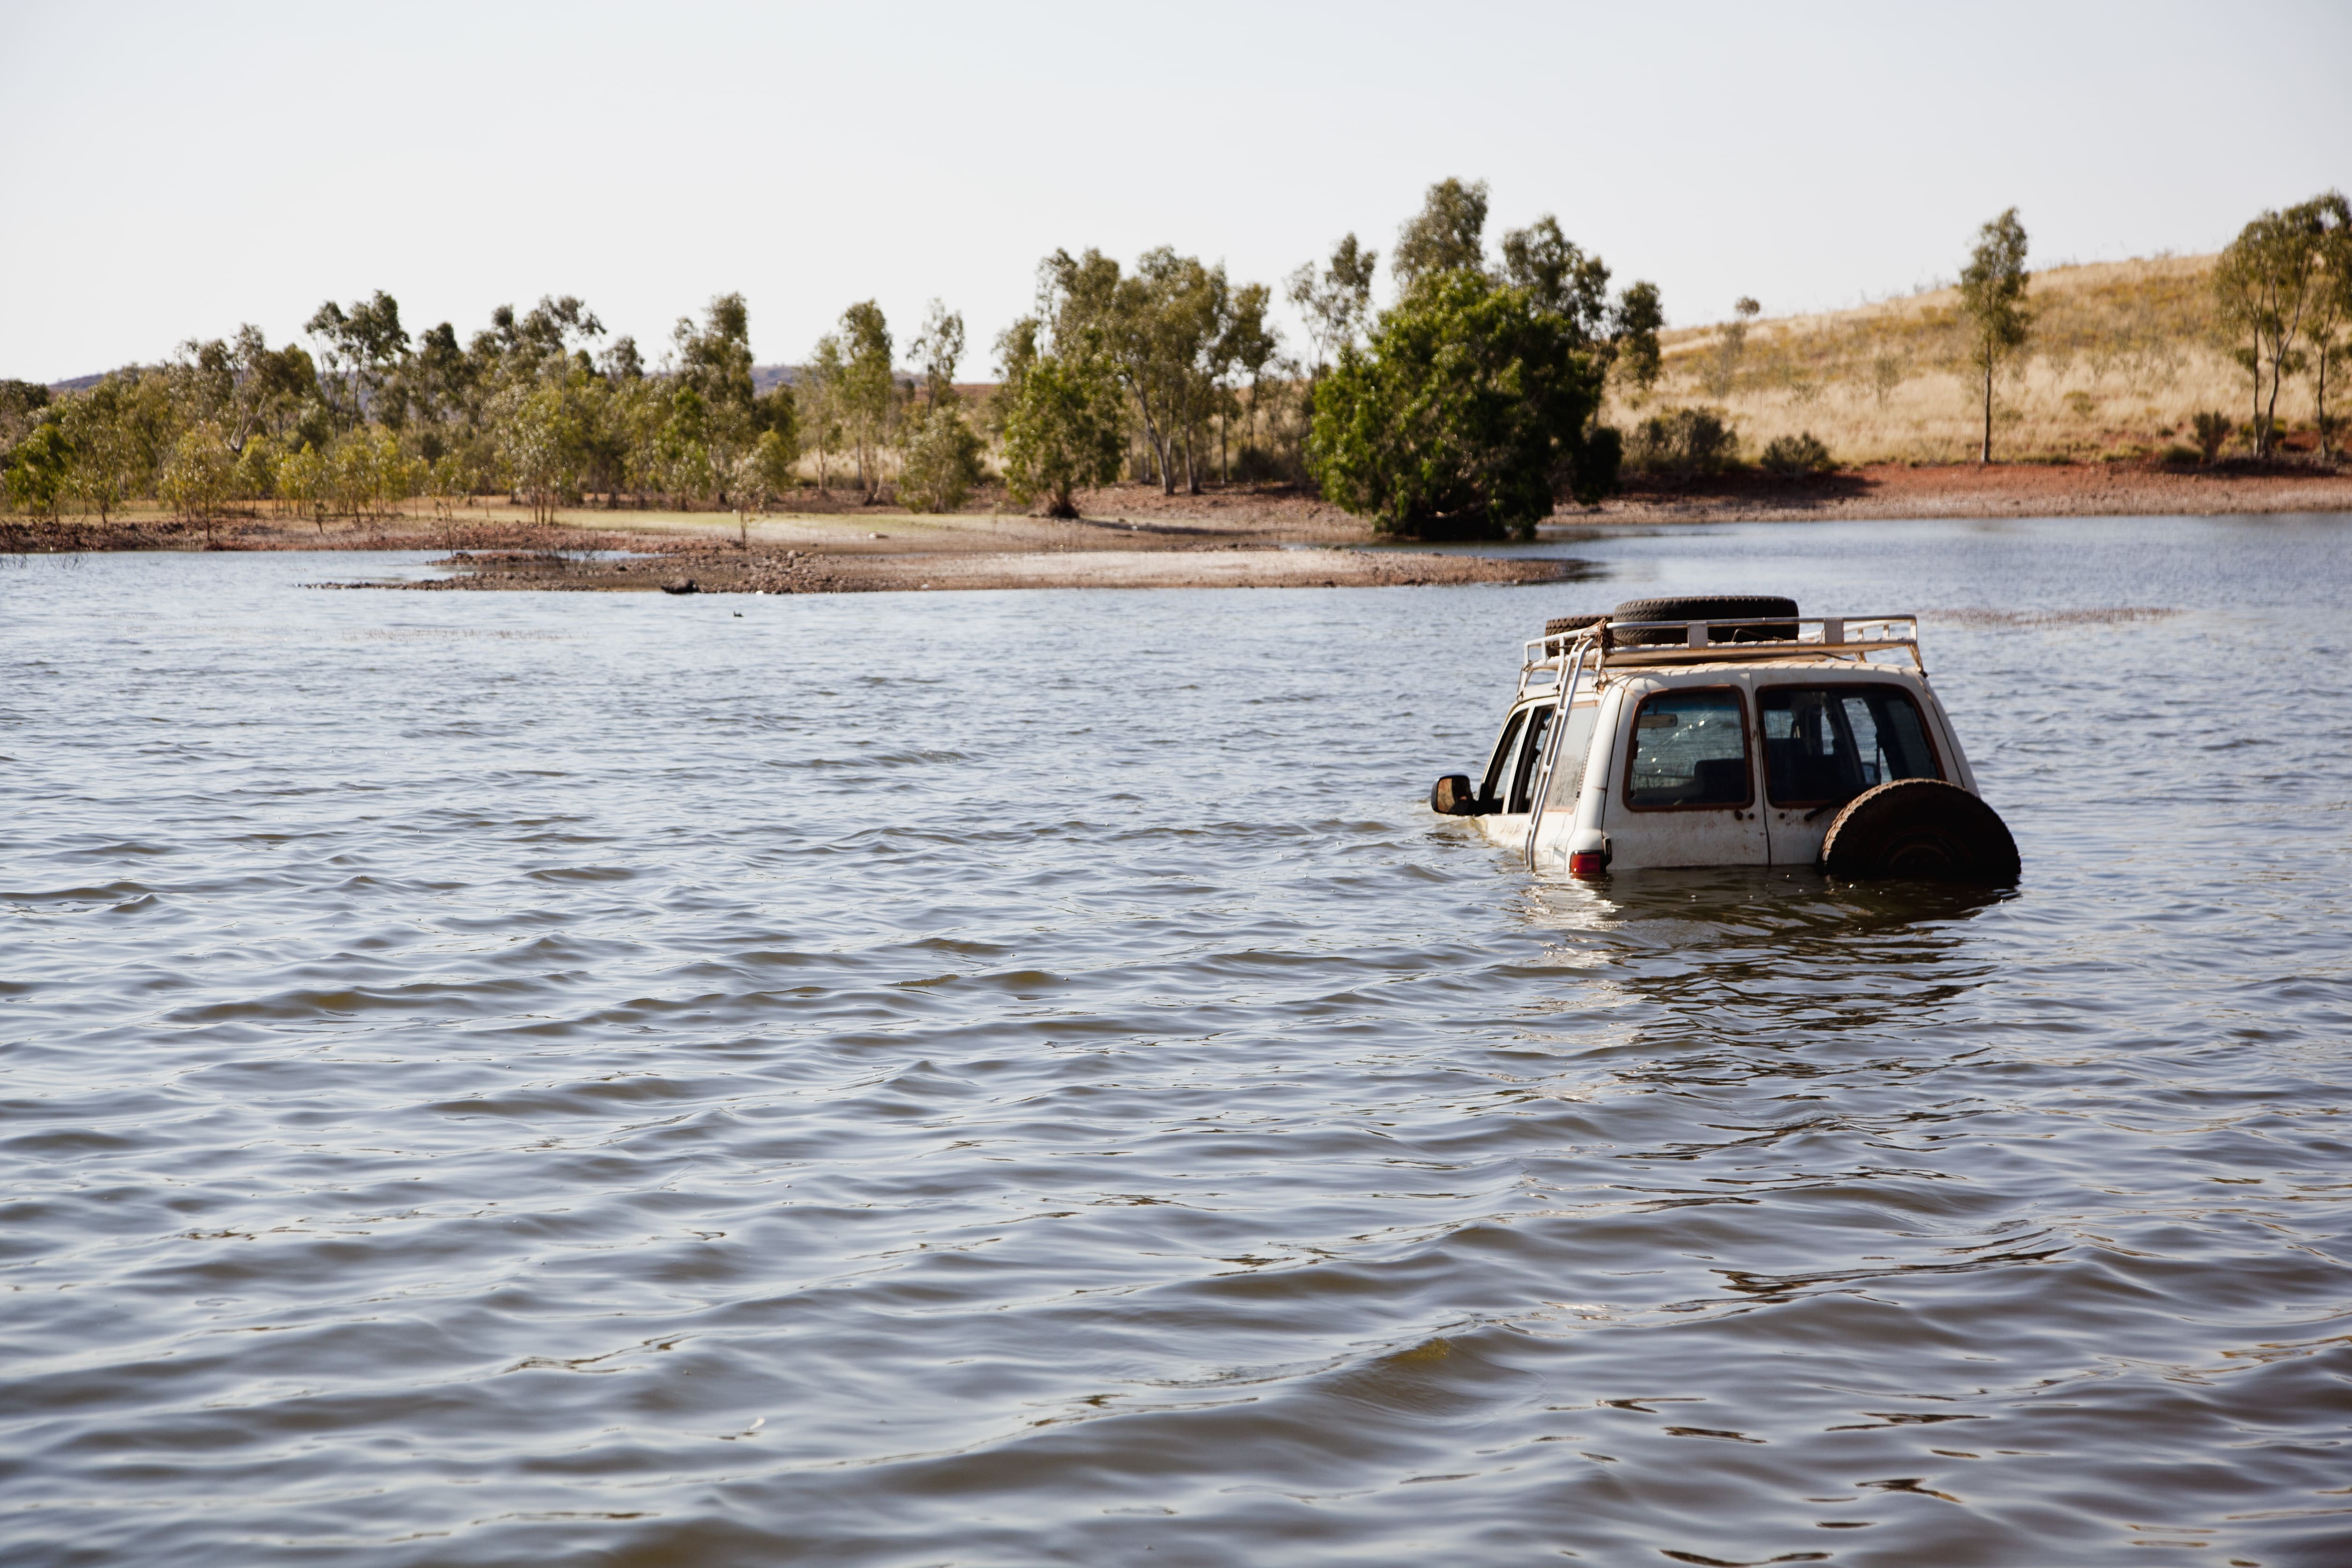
2123 354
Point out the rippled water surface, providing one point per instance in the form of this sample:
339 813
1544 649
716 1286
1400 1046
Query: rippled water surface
1023 1079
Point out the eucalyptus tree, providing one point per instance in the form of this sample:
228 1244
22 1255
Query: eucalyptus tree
938 349
939 451
817 397
867 390
360 345
1558 277
1337 305
1448 234
40 468
2331 311
1251 345
2268 283
1636 323
1167 330
1060 409
1992 301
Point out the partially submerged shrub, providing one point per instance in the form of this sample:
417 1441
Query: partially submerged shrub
1682 444
1794 456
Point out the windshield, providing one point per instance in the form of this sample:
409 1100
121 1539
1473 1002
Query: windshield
1825 743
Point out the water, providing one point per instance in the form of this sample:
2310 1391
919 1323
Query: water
1022 1078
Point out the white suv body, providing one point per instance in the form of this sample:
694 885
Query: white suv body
1620 753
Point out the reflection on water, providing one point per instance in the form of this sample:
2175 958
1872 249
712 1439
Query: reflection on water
1021 1078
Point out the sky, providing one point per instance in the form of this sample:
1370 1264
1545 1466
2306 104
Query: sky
171 170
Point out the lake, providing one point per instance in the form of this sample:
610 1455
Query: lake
1023 1078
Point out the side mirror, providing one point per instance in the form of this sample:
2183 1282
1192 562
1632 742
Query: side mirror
1453 797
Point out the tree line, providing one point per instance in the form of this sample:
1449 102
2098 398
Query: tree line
1466 405
1168 371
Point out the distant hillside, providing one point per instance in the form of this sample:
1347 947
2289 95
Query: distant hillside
2123 354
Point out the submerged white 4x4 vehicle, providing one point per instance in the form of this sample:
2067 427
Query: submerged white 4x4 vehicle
1732 732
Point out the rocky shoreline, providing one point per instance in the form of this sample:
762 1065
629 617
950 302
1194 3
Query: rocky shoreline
808 572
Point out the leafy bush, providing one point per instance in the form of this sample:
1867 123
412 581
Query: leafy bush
1468 406
940 464
200 473
1063 428
2177 453
1682 444
2214 432
1794 456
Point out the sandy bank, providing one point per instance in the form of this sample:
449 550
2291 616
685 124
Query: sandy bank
798 572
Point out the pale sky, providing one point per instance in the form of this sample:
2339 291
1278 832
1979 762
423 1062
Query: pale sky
174 170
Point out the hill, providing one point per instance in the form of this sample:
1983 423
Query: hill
2123 354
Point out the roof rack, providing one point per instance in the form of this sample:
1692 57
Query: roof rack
1600 647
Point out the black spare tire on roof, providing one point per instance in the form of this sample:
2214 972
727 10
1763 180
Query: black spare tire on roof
1920 828
1730 606
1559 632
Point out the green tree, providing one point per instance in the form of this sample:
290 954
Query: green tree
1168 332
197 477
2270 283
1558 277
682 457
21 403
715 359
1639 320
772 456
1063 425
40 470
2331 311
941 462
939 456
302 483
1448 235
1251 344
1465 409
360 346
868 392
1337 304
817 403
539 439
1992 299
938 349
114 443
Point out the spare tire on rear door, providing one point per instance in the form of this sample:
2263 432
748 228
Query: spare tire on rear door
1920 828
1730 606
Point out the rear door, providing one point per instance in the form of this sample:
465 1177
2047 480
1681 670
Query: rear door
1824 742
1688 790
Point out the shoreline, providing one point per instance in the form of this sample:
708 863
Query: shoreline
799 572
1133 536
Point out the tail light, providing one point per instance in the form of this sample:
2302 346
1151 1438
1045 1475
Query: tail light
1588 863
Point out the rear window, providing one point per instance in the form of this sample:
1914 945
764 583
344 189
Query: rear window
1690 748
1824 744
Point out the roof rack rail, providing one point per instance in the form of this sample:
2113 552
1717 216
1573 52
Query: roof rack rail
1606 644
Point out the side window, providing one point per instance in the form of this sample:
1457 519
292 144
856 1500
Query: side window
1827 743
1490 788
1575 743
1690 748
1523 772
